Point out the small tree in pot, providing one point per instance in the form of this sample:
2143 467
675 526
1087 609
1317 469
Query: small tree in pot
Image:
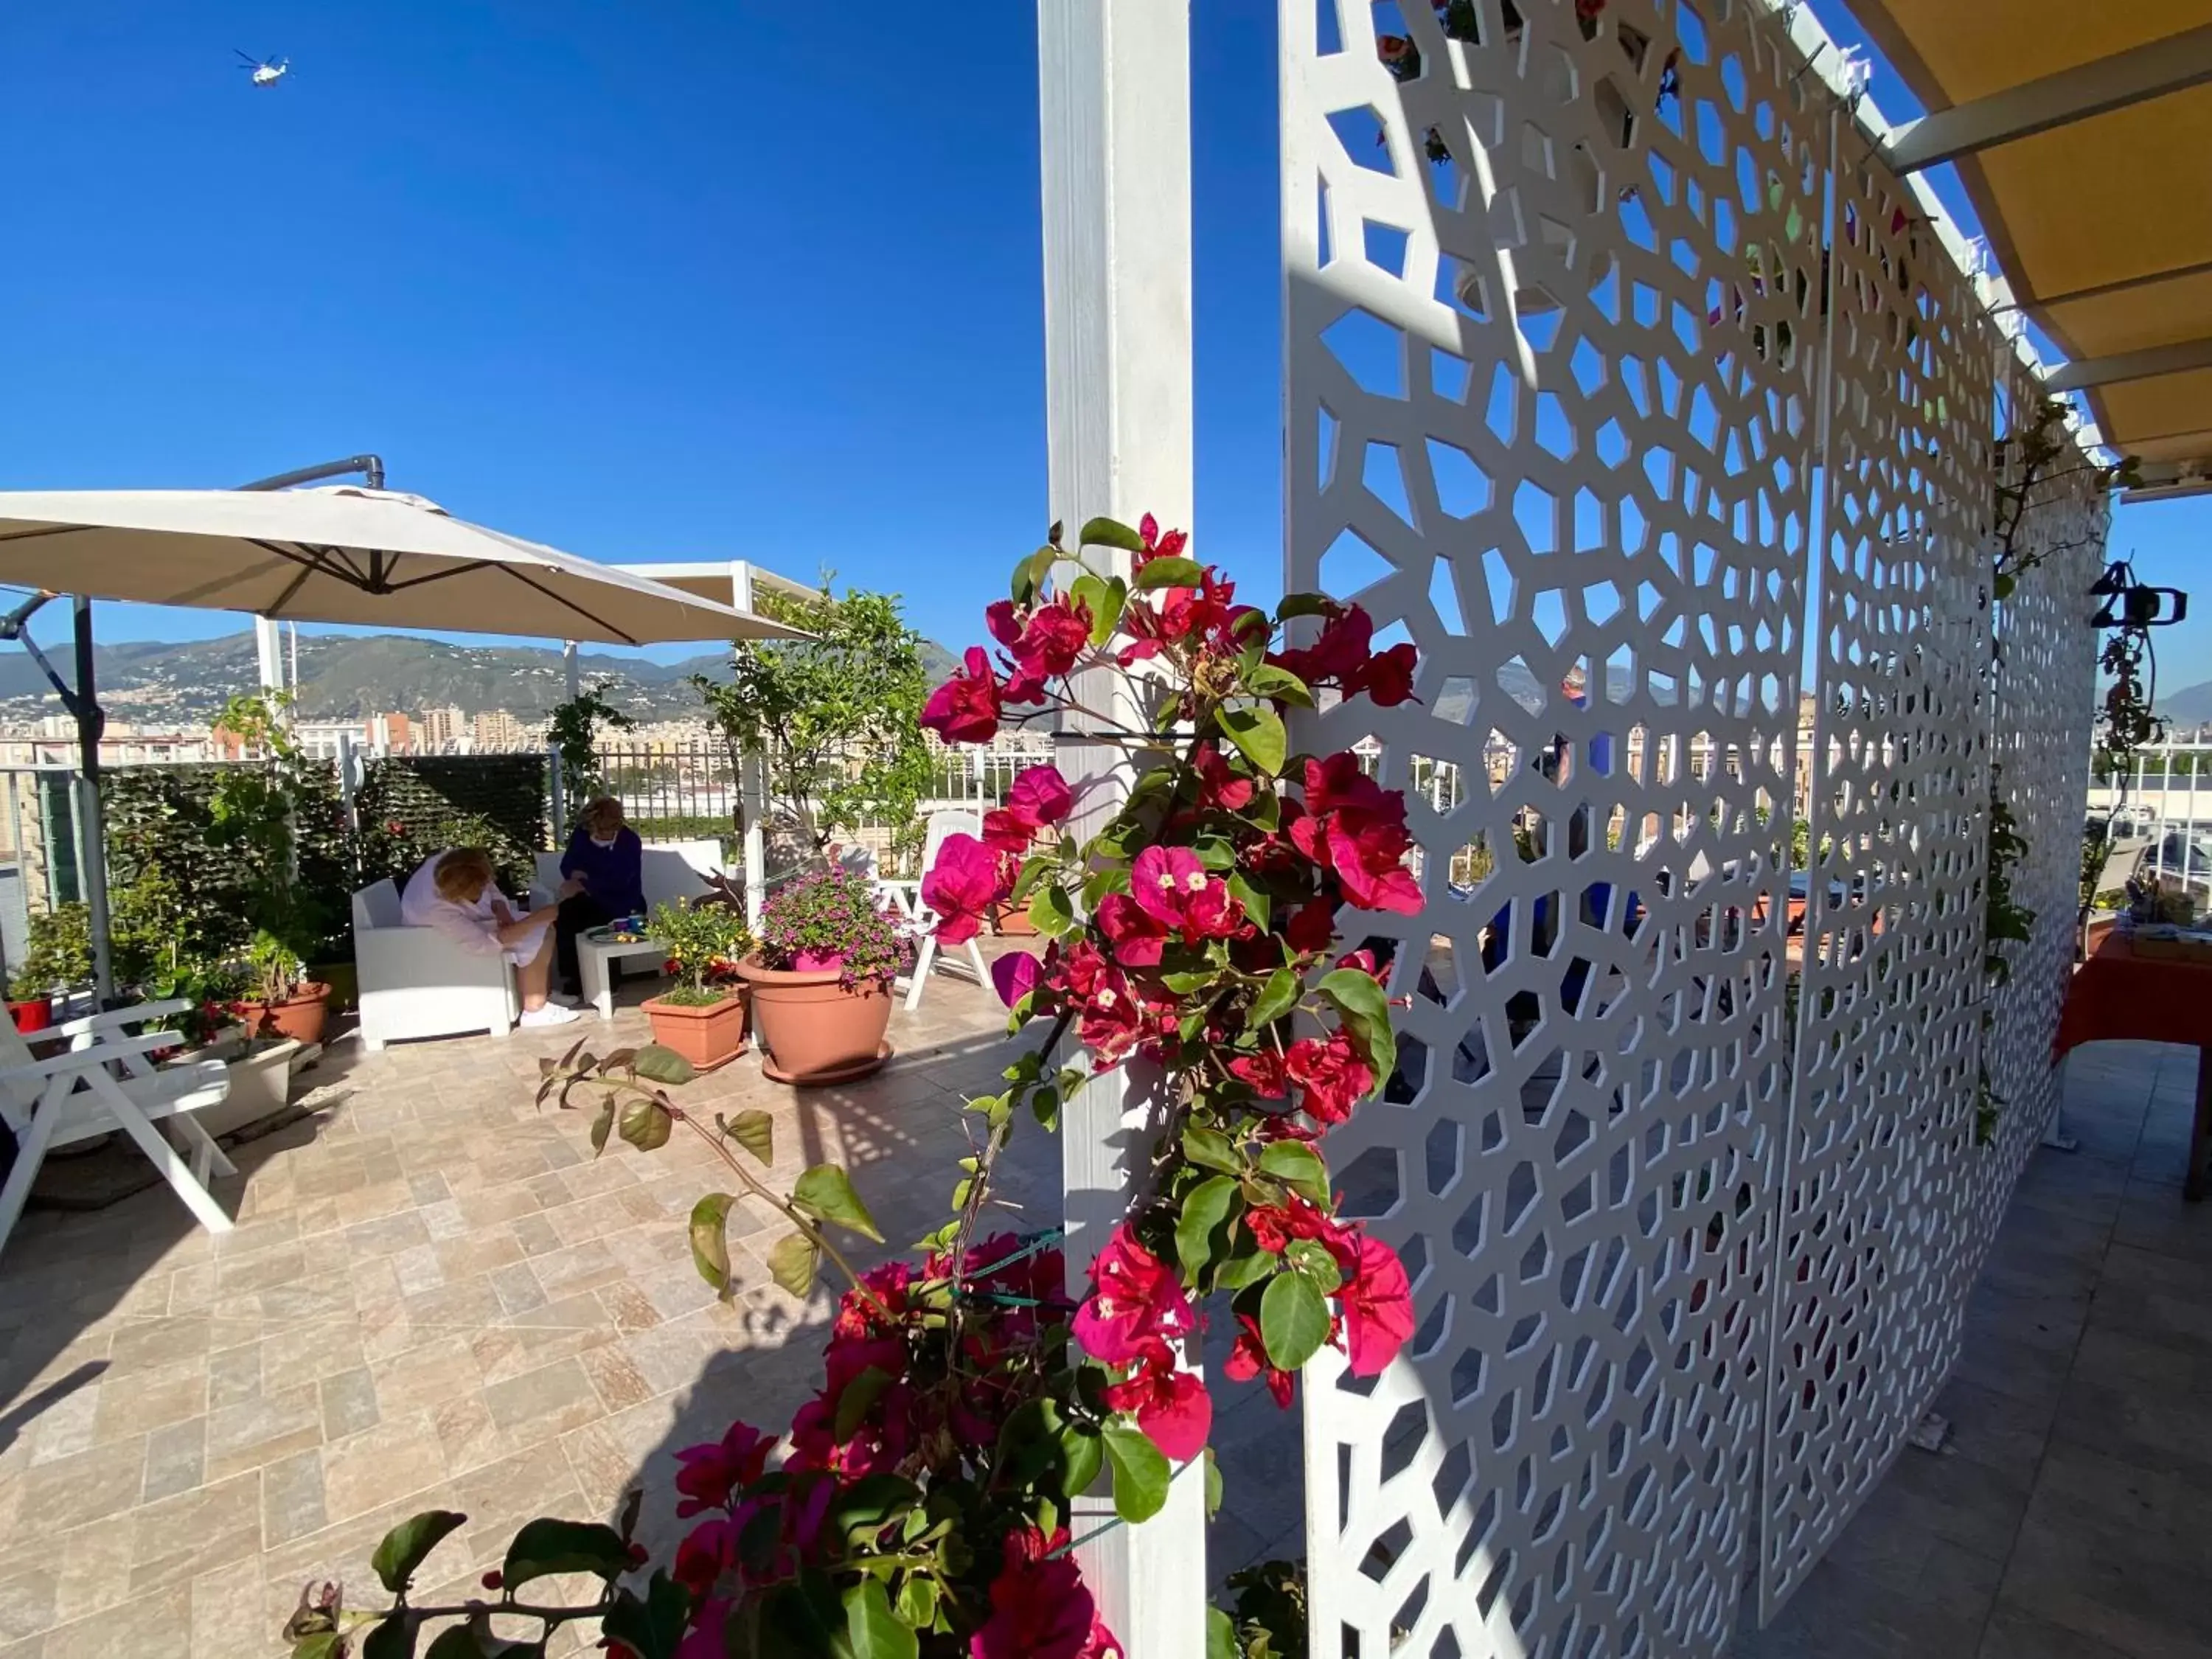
251 812
822 978
703 1016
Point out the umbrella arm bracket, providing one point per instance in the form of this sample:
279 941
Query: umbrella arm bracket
12 628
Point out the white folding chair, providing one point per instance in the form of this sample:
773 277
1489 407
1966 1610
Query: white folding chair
908 895
106 1080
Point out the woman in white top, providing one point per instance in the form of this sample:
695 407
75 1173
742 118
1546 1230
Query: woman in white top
454 893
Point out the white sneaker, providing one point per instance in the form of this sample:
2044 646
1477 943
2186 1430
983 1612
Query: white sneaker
552 1014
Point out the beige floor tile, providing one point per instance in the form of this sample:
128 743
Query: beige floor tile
88 1485
180 1538
152 1399
382 1465
230 1618
263 1429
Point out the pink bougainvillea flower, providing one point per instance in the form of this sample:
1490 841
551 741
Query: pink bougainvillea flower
1039 1606
1015 974
1136 936
1172 887
1004 622
1364 961
961 886
1333 1074
1136 1300
1311 927
1355 830
1249 1359
708 1551
1171 1406
1377 1300
703 1641
1005 830
709 1476
1387 679
1077 970
965 708
1042 795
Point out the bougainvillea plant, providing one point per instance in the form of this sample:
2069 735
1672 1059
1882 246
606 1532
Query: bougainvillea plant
831 919
919 1504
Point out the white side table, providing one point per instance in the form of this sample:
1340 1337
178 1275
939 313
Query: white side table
592 958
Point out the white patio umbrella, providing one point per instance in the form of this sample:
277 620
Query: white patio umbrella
336 553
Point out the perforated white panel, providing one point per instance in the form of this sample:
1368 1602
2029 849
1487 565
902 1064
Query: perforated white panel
1551 416
1881 1146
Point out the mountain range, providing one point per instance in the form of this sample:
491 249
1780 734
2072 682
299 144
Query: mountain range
352 677
2190 706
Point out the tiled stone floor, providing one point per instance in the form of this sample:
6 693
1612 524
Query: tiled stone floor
2071 1516
437 1298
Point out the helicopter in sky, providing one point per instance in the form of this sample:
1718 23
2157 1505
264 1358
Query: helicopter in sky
267 71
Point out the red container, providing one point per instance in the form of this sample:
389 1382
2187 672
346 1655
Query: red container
33 1014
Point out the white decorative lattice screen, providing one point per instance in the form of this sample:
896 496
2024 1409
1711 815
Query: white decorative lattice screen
1552 310
1607 365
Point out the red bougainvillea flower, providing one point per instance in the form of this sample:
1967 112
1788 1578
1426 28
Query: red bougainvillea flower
1114 1020
1043 644
704 1640
1077 971
1136 935
858 1318
1249 1359
1275 1225
1136 1300
1170 1406
1263 1072
1015 974
1039 1606
1387 679
708 1550
1355 830
1311 927
1042 795
707 1476
1217 785
1005 830
1156 546
965 708
1334 1074
961 886
1377 1300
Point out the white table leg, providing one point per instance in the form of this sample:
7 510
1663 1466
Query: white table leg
592 966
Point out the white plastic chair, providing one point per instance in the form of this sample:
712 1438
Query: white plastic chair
908 895
670 870
105 1081
416 982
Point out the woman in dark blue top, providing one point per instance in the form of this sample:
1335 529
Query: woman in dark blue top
606 854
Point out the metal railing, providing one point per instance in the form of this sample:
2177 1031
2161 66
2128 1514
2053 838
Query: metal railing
2162 817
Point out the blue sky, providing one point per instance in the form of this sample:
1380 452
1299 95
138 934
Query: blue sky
681 282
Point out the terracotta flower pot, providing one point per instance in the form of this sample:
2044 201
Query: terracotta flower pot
1012 921
299 1016
707 1034
33 1014
813 1030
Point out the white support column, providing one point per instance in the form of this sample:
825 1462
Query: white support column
752 778
269 651
1114 88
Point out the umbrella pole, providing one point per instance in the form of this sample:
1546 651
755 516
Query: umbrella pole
91 856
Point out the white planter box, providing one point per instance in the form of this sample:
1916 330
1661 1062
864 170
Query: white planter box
260 1082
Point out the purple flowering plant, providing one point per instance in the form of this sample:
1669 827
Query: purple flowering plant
833 913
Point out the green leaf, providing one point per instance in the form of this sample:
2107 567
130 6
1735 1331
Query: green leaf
791 1263
1311 1259
1256 903
1050 912
862 1392
1205 1208
1110 532
1083 1452
545 1548
1221 1635
1213 1483
645 1124
652 1628
1140 1472
1170 573
1031 574
1277 998
1210 1148
825 1192
1366 1014
603 1126
710 1241
406 1545
755 1131
917 1601
873 1630
1303 604
1247 1267
454 1642
1106 615
1296 1165
1265 680
1258 732
658 1063
392 1639
1293 1320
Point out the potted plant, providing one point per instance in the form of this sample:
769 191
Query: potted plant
701 1017
252 811
29 1004
822 978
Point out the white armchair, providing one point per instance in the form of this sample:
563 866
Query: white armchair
416 982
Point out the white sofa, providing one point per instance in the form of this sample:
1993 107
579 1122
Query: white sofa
670 871
416 982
